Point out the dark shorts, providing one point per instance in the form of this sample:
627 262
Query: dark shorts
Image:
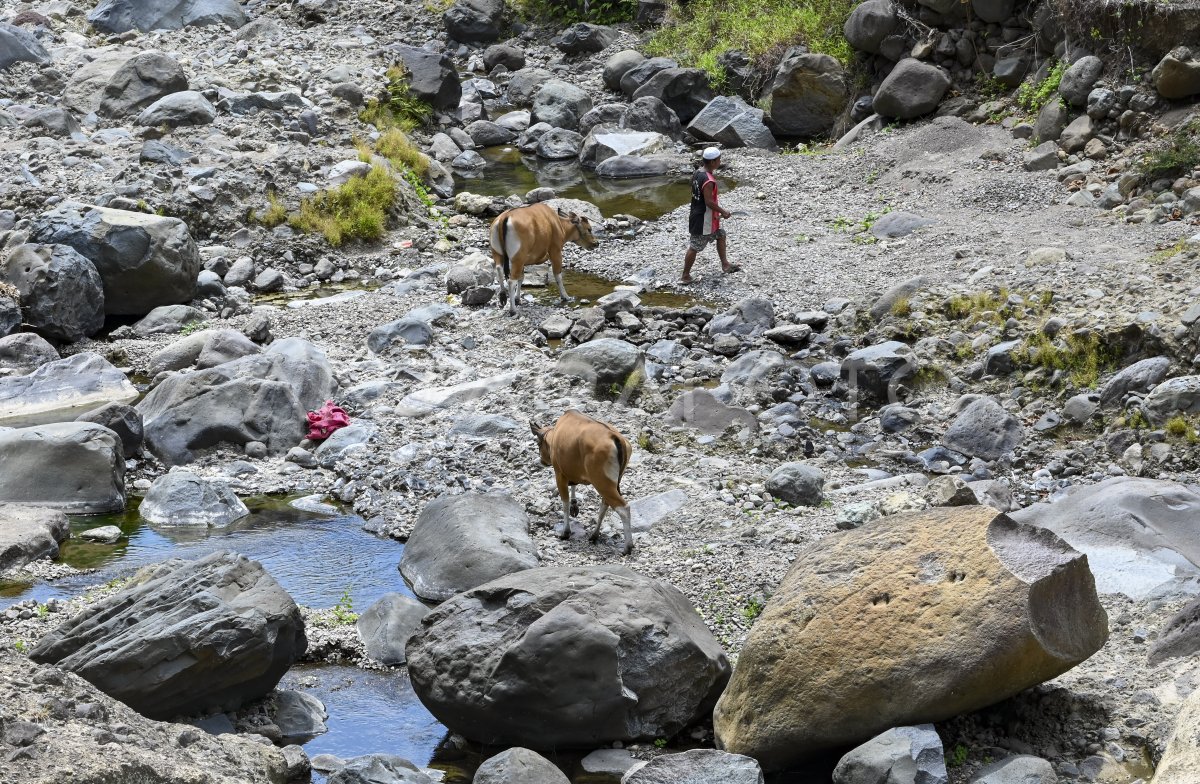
699 242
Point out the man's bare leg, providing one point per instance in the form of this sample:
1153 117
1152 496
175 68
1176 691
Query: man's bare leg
689 259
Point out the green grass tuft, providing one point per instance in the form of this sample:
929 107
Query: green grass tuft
357 209
1180 153
1082 355
698 33
401 110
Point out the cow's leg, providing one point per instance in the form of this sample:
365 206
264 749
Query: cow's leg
627 521
501 286
556 268
514 291
564 494
595 534
574 503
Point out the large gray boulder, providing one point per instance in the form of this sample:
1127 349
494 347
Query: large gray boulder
29 533
1139 377
62 296
18 45
262 397
555 657
140 81
378 769
635 77
61 390
701 410
523 86
386 625
179 109
604 361
912 89
698 766
902 755
685 90
75 467
732 123
519 766
985 430
190 637
869 23
25 352
618 65
1176 76
185 499
1138 534
585 38
144 260
119 16
10 311
651 114
432 77
797 484
560 104
807 96
122 419
749 317
52 121
1078 80
1020 769
1179 395
461 541
474 21
875 372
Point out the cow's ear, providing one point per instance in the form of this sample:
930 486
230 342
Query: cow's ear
574 218
561 213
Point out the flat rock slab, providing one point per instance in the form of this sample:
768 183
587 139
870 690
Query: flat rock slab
650 511
425 401
75 467
61 390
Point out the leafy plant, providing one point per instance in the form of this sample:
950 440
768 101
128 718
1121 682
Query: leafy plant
696 34
401 109
752 609
191 327
343 611
1179 153
20 646
1180 427
957 756
1032 97
358 209
660 743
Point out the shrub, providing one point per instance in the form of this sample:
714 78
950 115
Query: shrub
396 147
401 109
599 11
275 215
1180 153
1032 97
356 210
698 34
1083 356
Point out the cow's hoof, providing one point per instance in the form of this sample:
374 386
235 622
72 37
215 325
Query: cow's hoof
626 550
565 300
562 531
512 313
593 538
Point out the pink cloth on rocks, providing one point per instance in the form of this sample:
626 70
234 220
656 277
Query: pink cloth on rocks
325 420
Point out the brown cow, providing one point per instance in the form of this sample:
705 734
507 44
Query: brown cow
529 235
586 451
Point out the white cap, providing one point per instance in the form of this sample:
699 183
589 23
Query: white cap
711 153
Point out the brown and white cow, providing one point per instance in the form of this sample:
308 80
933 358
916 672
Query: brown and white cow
586 451
529 235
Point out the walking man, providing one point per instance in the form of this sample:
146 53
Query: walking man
704 221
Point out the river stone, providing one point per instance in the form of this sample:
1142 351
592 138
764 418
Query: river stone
461 541
52 121
618 65
898 224
144 260
343 442
386 625
519 766
524 84
426 401
698 766
122 419
119 16
1179 395
61 390
168 320
572 656
1021 769
176 110
299 716
510 57
732 122
628 167
584 38
747 318
76 467
869 23
378 769
224 345
1176 76
701 410
25 352
105 534
260 398
1138 534
29 533
651 114
485 133
1051 121
797 484
474 21
875 372
1078 80
20 46
902 755
560 104
686 91
190 637
604 361
559 144
183 498
912 89
1180 763
641 73
403 332
62 295
140 81
984 430
913 618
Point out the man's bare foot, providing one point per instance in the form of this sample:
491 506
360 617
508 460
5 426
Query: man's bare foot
685 281
731 268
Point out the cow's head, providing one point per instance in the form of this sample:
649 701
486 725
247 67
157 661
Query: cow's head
540 431
582 229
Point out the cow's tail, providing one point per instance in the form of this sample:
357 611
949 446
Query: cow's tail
500 244
622 460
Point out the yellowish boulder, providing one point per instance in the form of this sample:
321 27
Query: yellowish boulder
910 619
1180 762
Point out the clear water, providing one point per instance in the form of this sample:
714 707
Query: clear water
315 558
